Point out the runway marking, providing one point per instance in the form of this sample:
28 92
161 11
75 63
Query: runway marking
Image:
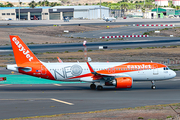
109 32
5 84
62 101
5 50
174 80
28 99
58 84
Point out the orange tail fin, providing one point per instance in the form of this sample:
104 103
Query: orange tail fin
21 51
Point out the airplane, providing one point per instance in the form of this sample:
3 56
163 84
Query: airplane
117 74
110 19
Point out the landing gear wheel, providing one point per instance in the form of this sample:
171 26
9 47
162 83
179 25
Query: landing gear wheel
93 86
99 87
153 87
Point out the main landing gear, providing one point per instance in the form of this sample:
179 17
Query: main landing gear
99 87
153 85
93 87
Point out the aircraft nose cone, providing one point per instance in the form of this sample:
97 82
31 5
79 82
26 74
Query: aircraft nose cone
173 74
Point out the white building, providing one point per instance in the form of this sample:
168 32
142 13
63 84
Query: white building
87 12
176 2
54 13
161 2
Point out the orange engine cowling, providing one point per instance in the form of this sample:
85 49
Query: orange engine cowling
124 82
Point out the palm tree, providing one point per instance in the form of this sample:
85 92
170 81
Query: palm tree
52 4
124 5
177 7
39 3
1 5
131 6
32 4
138 5
46 3
143 11
9 4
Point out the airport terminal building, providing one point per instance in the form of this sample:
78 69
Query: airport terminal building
54 13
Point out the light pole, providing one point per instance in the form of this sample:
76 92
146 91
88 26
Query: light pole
144 10
157 10
144 2
100 9
19 9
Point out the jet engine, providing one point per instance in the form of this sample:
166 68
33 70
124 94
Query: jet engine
121 82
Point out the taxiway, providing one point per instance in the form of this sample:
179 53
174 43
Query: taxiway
38 100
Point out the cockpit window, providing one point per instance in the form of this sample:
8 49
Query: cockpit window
166 68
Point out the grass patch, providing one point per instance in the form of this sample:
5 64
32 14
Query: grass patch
169 117
2 65
165 29
146 33
80 50
173 46
51 52
89 50
31 43
139 48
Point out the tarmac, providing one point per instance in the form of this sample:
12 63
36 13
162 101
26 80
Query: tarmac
32 99
24 96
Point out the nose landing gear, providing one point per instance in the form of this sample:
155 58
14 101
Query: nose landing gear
153 85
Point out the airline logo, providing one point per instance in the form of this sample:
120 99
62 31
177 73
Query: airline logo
139 66
22 49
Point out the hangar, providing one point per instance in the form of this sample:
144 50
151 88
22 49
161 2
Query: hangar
87 12
54 13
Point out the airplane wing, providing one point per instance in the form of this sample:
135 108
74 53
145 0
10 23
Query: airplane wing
119 81
101 76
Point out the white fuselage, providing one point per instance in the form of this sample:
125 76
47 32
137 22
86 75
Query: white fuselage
67 71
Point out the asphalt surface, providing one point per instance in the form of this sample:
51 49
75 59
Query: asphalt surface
141 42
129 21
126 30
119 44
37 100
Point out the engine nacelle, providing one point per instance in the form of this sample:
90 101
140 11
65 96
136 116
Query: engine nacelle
124 82
121 82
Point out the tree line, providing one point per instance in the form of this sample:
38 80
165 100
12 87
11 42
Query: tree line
125 5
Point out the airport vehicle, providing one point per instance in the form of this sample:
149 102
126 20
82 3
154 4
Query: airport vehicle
109 19
118 74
